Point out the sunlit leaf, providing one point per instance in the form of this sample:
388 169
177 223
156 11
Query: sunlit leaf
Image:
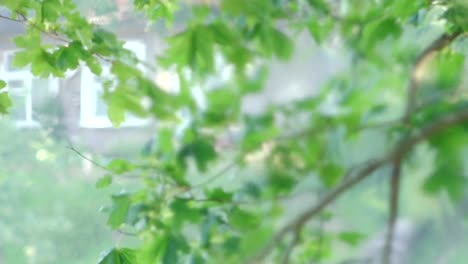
104 182
118 213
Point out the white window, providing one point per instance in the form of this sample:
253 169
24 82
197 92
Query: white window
27 92
93 113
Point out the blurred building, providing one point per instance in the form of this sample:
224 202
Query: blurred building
82 114
74 103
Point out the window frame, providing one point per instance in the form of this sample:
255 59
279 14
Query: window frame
24 75
89 95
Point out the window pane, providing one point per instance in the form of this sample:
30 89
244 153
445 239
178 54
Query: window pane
101 107
18 110
39 94
18 92
137 47
16 86
9 63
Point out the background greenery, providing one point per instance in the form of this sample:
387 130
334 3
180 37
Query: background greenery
391 123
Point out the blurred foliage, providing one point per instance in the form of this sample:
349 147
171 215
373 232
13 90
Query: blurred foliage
40 223
180 212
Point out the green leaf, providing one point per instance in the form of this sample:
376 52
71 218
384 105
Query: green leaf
2 84
249 8
120 166
196 259
283 46
447 177
351 238
116 113
5 102
232 245
201 150
165 141
174 245
255 240
50 10
69 57
320 30
23 58
136 212
218 194
254 139
330 174
243 220
119 256
94 65
104 182
320 5
223 107
28 41
404 9
123 71
222 34
280 182
119 210
380 30
446 70
184 212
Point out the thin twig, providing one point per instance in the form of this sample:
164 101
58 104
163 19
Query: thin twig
399 152
246 202
314 130
218 174
95 163
51 34
57 36
126 233
393 202
11 19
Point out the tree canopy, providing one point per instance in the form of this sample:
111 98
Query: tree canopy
403 79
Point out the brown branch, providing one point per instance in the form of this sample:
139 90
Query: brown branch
399 152
393 202
313 211
295 240
57 36
309 132
418 68
50 34
11 19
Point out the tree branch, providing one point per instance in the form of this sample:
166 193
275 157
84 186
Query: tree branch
301 219
54 35
393 202
399 152
418 68
295 240
11 19
50 34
